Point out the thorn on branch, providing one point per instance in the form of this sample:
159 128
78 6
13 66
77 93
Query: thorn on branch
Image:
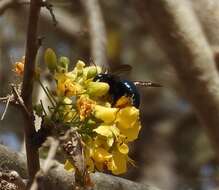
20 100
6 107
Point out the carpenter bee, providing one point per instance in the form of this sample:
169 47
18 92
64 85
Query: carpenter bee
123 92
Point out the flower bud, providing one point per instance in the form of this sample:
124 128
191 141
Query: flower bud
50 59
92 72
97 89
63 64
80 65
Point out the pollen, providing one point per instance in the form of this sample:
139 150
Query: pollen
123 102
85 106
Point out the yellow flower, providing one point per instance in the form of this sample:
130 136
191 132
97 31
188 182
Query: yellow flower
121 144
118 163
85 106
66 110
123 148
106 114
96 153
127 117
100 141
101 155
127 120
131 133
108 131
66 86
18 67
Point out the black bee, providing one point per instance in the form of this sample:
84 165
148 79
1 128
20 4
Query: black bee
123 92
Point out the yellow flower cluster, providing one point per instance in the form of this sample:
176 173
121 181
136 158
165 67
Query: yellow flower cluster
109 148
105 130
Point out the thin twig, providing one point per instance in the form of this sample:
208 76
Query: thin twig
54 144
27 87
6 107
72 26
97 32
4 98
48 163
20 100
47 93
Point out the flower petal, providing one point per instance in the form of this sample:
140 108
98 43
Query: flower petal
131 133
107 115
123 148
101 155
104 130
127 117
118 163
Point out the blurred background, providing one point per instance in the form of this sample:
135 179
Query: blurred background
172 152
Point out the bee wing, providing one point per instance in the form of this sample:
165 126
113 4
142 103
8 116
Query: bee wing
120 69
147 84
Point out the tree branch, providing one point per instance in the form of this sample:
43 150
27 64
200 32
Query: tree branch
27 87
209 18
72 26
177 30
97 32
5 4
57 178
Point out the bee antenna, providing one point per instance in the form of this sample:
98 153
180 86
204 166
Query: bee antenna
91 61
147 84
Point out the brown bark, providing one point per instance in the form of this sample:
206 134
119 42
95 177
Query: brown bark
27 87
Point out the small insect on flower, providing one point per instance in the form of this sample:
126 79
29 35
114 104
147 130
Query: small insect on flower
123 92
